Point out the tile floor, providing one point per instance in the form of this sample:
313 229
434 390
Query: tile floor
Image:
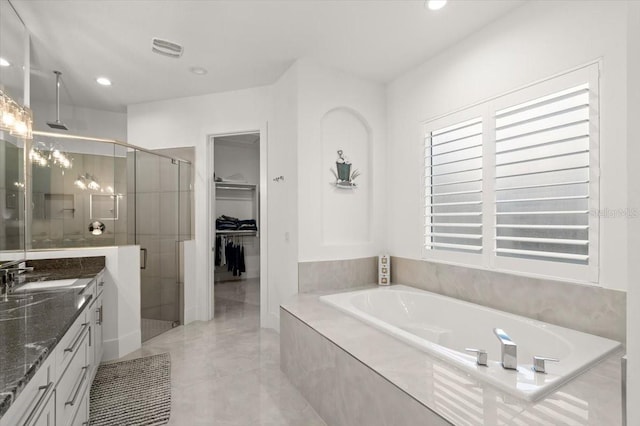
227 371
151 328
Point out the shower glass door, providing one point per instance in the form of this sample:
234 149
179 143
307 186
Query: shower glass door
157 196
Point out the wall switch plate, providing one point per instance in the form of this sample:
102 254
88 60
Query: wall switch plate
384 270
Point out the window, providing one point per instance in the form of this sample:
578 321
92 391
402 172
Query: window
542 178
510 183
454 189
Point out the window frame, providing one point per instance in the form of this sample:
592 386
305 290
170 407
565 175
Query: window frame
486 110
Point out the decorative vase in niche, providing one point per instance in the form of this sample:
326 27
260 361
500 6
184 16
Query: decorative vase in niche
344 171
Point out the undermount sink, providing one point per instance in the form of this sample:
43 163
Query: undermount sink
47 285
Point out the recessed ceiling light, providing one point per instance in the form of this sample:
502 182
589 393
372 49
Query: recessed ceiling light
4 62
198 70
103 81
436 4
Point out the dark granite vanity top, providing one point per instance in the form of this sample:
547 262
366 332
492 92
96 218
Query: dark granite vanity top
33 321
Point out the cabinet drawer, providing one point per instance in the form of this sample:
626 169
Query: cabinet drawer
70 342
91 289
33 398
72 384
82 416
47 417
99 321
100 280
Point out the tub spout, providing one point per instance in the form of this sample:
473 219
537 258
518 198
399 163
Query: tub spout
508 350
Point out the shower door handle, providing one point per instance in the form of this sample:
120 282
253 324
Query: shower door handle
144 258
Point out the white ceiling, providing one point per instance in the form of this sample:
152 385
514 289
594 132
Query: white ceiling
242 43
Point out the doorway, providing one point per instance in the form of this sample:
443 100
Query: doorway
235 226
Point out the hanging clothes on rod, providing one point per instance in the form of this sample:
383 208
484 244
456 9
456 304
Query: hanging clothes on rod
231 254
218 252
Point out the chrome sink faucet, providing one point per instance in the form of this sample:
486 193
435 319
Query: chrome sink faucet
508 350
8 272
4 284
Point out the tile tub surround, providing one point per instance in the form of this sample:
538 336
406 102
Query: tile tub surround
29 331
337 274
587 308
341 388
315 338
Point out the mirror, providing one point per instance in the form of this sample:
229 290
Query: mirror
13 51
104 207
73 183
12 194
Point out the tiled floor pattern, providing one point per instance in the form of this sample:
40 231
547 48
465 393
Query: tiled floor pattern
151 328
247 291
227 371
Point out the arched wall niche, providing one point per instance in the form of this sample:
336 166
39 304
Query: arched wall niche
346 208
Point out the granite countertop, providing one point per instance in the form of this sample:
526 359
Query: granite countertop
33 321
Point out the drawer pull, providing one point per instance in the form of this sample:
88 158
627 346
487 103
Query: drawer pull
73 347
99 313
75 394
39 403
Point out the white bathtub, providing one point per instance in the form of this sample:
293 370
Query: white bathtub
444 327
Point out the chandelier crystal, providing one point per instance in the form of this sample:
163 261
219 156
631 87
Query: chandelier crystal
16 119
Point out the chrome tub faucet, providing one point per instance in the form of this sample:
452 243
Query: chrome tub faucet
508 350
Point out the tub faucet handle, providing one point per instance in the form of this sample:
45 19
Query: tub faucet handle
508 350
481 355
538 363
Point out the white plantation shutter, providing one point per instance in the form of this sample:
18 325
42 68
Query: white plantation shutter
542 178
453 187
512 183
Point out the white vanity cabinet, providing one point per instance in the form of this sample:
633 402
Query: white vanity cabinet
73 382
46 417
97 319
58 394
36 404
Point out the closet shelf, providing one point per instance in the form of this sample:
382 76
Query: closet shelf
234 232
236 186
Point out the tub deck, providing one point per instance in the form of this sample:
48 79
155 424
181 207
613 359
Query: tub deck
444 327
592 398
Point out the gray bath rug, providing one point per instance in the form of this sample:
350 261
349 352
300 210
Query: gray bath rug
135 392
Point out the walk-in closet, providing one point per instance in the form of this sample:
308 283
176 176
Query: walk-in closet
237 223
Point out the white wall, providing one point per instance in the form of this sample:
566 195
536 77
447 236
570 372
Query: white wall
189 122
533 42
81 121
282 224
633 177
338 111
121 295
294 107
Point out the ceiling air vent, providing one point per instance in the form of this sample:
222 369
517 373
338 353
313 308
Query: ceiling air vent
166 48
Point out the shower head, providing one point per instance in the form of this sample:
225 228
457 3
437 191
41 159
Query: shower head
57 124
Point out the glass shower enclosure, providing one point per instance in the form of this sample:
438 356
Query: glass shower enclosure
162 220
138 197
